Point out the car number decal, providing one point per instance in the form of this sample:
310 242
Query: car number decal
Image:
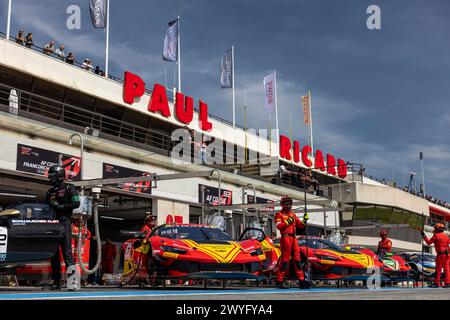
3 243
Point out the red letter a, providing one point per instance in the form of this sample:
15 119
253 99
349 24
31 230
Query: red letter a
158 101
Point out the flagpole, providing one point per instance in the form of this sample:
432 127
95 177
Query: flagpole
232 84
276 111
245 122
179 56
290 125
8 23
107 40
310 123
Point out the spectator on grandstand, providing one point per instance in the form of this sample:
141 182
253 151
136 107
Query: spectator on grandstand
87 65
70 58
20 39
29 40
99 71
60 52
282 172
49 48
203 151
310 180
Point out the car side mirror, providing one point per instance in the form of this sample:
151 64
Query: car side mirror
9 214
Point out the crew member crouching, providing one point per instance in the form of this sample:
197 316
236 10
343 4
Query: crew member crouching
287 222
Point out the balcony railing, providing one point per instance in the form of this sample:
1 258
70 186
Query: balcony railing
60 114
170 96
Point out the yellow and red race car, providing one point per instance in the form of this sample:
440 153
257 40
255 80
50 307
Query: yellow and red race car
395 267
190 251
330 262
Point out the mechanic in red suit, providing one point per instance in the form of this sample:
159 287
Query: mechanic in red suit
385 244
150 223
441 242
287 222
109 253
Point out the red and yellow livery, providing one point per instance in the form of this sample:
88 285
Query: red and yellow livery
191 251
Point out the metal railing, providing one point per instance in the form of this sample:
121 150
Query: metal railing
120 80
33 106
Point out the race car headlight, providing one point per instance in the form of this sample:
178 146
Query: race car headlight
325 257
256 252
173 250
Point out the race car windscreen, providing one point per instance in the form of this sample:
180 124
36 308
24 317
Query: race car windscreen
198 234
321 244
34 210
418 258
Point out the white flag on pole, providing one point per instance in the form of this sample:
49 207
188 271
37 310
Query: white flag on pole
98 10
269 92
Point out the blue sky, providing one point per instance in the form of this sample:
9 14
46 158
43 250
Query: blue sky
379 96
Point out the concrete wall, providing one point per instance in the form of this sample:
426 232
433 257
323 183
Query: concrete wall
170 211
357 192
396 244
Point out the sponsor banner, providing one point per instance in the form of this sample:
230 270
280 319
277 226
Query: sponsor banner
226 70
111 171
170 51
306 109
211 196
38 161
269 92
251 199
97 9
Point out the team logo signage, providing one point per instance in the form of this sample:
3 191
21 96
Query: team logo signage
134 88
36 160
303 155
251 199
114 171
211 196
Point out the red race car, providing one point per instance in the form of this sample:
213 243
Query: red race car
330 262
190 251
327 260
395 267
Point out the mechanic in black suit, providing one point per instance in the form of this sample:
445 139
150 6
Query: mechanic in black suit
63 197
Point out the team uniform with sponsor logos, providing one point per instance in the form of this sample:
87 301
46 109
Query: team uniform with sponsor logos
147 229
66 195
441 243
384 246
109 253
289 243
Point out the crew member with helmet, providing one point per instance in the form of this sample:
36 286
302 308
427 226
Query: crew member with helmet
385 244
63 197
287 222
441 243
150 223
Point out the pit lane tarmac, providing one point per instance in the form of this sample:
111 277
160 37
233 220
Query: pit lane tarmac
241 293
